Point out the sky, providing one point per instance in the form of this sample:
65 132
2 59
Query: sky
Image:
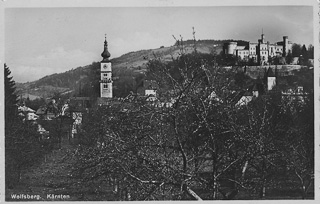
42 41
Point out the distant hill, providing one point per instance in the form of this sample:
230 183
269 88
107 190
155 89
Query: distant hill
72 80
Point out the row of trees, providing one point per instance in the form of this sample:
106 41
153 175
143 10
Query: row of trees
298 50
196 143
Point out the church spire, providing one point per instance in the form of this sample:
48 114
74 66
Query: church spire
105 54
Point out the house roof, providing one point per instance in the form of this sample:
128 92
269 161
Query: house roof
150 84
41 111
25 109
33 116
270 72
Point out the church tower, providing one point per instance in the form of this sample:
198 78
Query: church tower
105 73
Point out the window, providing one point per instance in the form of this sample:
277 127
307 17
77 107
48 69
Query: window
105 86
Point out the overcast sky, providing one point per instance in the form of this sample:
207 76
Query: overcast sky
43 41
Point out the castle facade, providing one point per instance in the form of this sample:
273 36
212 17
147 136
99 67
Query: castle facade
260 51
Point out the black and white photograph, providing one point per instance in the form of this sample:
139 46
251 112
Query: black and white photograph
161 100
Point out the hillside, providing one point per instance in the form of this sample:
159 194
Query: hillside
72 81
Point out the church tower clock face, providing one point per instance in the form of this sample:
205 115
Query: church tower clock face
106 67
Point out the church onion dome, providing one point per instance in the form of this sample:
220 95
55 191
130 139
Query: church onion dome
105 54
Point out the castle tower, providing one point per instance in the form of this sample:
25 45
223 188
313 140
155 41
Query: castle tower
262 38
230 47
105 73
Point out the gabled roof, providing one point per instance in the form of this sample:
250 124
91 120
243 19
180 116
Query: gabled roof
270 73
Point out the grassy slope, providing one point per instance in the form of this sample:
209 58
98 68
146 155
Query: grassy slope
54 176
46 86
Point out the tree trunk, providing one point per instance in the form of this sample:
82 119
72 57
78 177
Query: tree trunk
263 189
191 192
128 194
304 189
18 174
244 169
215 185
303 192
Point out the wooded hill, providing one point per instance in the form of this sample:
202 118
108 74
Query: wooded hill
131 63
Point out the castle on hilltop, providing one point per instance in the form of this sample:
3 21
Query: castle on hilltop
260 51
